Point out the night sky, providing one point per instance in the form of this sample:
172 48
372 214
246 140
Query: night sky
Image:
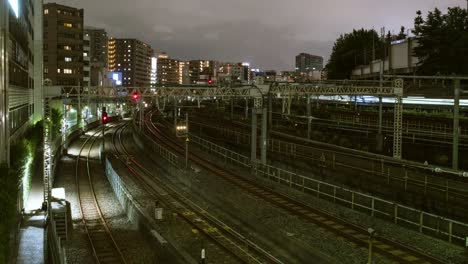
267 33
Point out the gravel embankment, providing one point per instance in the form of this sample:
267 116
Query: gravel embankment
133 244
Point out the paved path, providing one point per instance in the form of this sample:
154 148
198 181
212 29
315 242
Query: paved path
31 245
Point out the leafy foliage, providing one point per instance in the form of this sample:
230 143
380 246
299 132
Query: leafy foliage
56 119
10 182
443 42
353 49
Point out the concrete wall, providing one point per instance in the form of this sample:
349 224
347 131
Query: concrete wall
399 61
166 251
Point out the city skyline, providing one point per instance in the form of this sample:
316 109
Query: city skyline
237 31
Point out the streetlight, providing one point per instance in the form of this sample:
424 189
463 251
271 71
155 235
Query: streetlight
371 236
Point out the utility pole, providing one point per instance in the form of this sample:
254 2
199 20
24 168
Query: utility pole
456 124
186 141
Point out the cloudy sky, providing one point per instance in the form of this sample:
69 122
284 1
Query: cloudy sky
267 33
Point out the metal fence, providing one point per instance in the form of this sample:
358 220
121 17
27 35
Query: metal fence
430 224
172 158
406 176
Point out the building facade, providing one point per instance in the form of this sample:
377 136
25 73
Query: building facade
306 63
203 71
132 58
86 60
235 72
63 44
168 71
97 54
20 75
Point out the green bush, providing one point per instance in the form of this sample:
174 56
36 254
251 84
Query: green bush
10 179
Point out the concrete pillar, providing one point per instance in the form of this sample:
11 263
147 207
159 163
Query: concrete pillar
253 140
246 108
175 113
270 110
78 113
264 136
309 117
456 124
379 139
232 108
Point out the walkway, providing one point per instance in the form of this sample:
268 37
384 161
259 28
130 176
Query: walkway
31 245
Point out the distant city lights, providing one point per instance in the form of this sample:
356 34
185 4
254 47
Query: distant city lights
415 100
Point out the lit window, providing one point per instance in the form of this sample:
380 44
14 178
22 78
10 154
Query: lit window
46 11
58 70
68 59
69 25
118 64
129 51
85 54
66 47
67 71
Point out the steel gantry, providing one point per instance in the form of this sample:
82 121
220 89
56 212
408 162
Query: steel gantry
287 91
260 93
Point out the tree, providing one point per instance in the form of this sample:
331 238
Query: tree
442 39
402 34
353 49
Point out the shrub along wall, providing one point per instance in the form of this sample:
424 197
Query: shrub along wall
22 156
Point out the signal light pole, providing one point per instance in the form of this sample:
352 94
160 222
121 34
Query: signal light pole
104 120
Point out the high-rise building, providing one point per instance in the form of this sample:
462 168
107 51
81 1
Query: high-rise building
132 58
98 54
86 60
154 70
98 43
167 71
235 72
63 44
203 71
184 72
20 74
307 63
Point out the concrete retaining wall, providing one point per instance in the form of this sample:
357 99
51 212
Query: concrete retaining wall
166 251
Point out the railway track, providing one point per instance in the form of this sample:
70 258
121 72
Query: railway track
103 244
423 186
218 232
353 233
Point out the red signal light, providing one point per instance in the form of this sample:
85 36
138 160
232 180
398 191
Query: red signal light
135 96
104 117
210 81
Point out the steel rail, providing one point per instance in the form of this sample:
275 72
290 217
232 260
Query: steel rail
357 234
193 207
101 255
